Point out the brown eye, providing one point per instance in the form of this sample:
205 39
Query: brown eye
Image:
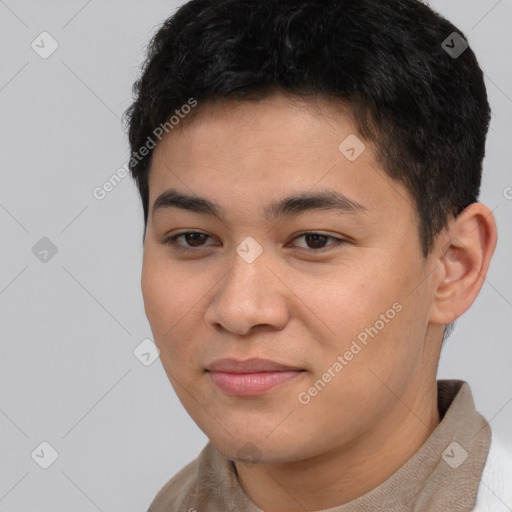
192 239
317 241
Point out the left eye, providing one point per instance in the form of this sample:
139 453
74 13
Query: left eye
317 239
194 239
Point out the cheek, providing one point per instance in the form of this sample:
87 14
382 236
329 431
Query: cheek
170 312
170 300
372 314
157 295
163 282
349 302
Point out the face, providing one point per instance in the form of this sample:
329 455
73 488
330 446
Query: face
336 290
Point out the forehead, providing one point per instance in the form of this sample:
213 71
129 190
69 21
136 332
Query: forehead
270 148
279 125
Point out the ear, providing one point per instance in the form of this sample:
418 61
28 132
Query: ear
464 253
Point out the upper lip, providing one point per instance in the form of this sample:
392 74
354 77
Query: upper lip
254 365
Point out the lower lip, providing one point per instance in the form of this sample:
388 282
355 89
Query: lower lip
250 384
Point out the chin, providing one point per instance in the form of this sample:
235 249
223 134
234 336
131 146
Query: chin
257 449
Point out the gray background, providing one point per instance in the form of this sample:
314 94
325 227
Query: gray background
69 326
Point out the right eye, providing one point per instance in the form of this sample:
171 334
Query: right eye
192 238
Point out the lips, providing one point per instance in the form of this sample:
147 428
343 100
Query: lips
254 365
251 377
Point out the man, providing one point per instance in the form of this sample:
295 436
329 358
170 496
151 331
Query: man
309 173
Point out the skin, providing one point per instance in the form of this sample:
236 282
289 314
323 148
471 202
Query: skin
300 307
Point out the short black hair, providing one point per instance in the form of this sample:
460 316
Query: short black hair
424 110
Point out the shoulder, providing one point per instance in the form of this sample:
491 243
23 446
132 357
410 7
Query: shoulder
495 491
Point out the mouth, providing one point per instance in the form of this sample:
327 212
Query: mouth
252 377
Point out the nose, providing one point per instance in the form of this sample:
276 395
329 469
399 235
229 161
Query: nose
250 295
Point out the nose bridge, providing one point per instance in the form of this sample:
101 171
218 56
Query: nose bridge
248 275
249 293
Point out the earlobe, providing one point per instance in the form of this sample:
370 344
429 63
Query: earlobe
468 245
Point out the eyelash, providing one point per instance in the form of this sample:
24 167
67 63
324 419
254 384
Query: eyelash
172 241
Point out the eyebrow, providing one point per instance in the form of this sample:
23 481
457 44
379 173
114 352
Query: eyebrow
275 210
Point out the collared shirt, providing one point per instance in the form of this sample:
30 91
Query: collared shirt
443 475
